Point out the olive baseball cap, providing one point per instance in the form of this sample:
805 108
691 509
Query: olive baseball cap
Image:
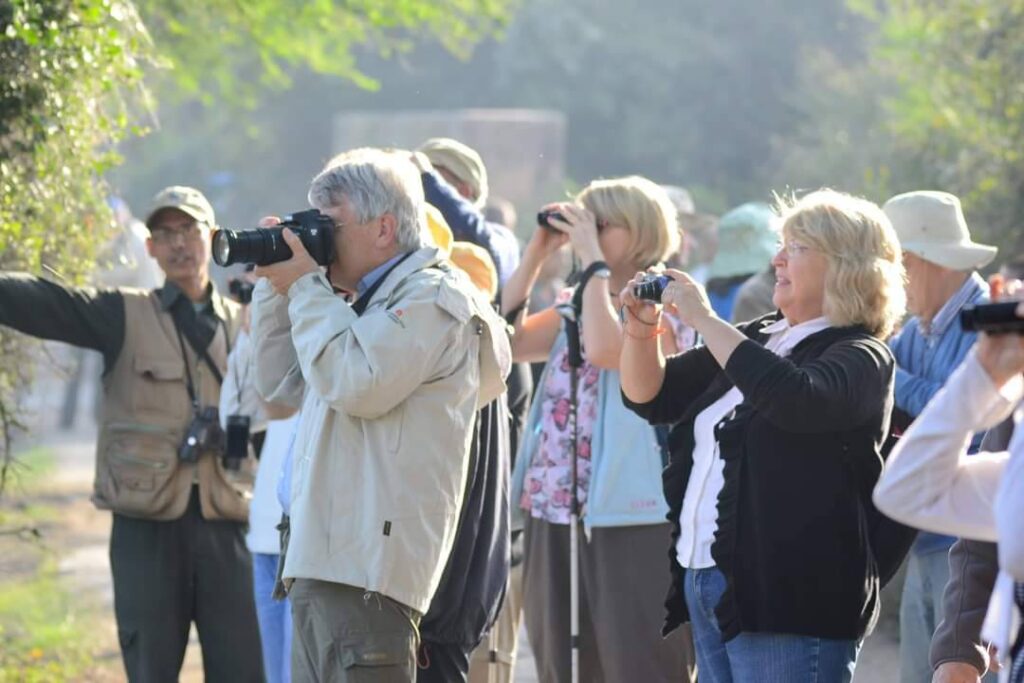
187 199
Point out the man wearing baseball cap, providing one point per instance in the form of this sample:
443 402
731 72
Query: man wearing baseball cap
177 548
941 261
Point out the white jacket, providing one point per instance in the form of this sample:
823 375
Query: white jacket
381 456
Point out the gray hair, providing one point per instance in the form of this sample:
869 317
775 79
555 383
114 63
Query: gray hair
375 182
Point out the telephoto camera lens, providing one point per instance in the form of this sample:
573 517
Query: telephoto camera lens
651 288
266 245
997 318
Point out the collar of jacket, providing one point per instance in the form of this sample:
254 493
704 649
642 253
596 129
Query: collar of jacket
421 259
170 293
757 331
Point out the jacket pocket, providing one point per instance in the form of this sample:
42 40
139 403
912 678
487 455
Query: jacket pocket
159 384
136 467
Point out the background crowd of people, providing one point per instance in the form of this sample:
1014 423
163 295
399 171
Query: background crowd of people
747 457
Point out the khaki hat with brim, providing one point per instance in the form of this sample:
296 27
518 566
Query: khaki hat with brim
460 159
186 199
931 225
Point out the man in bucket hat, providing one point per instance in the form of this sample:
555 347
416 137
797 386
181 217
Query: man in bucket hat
941 262
177 542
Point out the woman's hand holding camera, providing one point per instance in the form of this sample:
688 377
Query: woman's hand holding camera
687 299
639 316
284 274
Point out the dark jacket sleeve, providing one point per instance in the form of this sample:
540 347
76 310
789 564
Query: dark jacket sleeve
82 316
469 225
973 566
687 376
841 388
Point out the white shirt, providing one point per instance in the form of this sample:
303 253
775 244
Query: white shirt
930 483
698 519
265 510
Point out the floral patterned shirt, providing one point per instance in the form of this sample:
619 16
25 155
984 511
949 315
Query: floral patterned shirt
547 489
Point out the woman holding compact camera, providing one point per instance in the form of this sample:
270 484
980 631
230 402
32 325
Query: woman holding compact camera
615 227
777 551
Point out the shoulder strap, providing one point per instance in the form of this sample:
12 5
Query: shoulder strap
201 350
364 300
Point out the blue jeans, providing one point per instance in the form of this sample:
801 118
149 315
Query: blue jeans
921 612
275 619
764 657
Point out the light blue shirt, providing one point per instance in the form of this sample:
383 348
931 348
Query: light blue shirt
377 273
926 355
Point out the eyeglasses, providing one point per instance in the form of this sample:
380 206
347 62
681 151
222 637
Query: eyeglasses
791 248
170 235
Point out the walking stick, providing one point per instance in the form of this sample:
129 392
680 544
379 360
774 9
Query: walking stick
575 353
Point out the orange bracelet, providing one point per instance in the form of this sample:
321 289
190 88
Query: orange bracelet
658 331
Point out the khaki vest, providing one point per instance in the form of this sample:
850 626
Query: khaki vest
146 412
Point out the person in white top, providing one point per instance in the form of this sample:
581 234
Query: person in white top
930 483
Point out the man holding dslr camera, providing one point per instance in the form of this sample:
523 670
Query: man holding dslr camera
389 387
177 550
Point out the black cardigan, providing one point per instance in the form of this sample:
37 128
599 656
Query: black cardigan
802 453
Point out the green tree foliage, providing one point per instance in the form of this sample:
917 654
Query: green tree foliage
233 50
684 91
938 103
959 105
72 75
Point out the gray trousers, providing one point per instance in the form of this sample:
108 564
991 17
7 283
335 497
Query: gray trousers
624 576
345 634
169 574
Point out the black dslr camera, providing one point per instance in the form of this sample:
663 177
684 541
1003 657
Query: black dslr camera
998 318
203 434
266 245
651 287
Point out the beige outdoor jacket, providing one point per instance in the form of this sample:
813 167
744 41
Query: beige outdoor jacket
388 401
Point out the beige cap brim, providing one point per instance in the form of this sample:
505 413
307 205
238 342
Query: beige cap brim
195 213
963 256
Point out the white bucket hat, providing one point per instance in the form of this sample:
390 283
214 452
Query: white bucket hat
931 225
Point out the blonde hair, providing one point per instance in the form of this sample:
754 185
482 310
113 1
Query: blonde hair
864 281
643 207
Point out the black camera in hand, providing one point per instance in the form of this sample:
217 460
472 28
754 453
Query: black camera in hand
203 434
241 290
651 287
266 245
997 318
544 220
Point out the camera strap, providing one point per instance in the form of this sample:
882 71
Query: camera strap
364 299
204 354
188 373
